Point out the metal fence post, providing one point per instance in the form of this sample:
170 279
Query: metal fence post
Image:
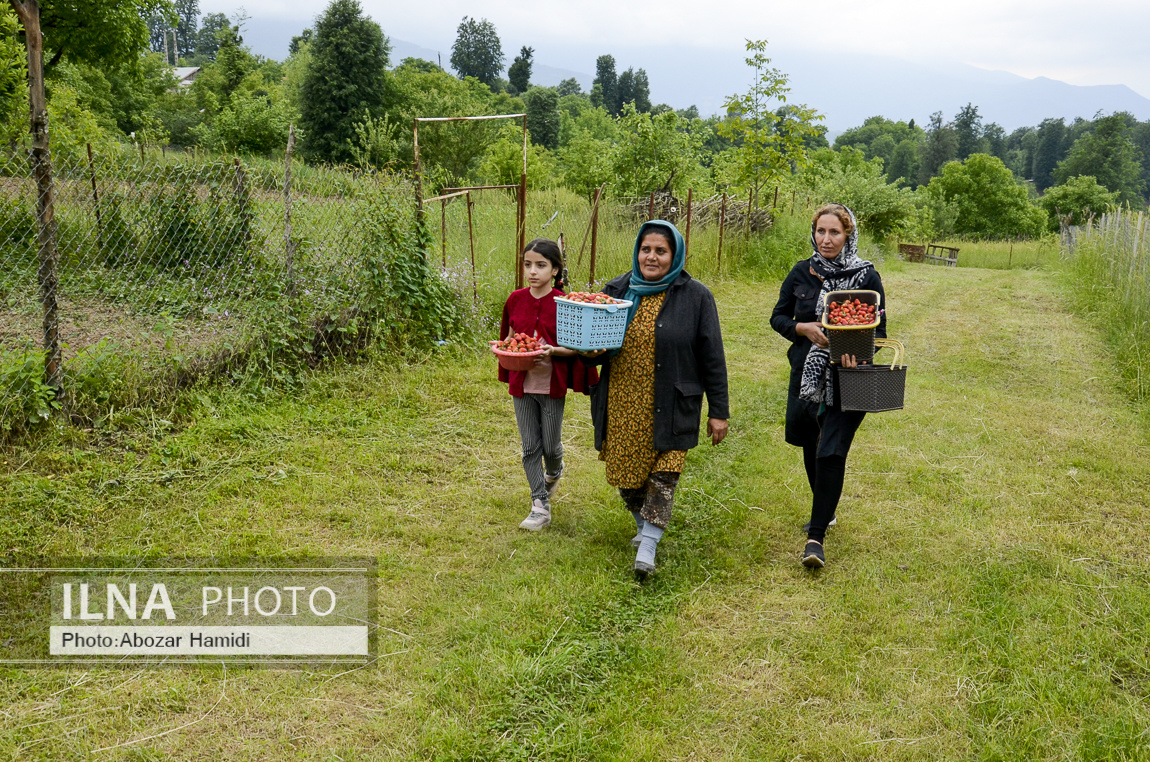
522 229
96 202
687 237
471 243
443 228
243 201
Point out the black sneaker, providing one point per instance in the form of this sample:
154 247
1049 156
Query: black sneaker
834 520
643 570
813 557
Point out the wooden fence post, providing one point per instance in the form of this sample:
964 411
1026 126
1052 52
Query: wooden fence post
651 206
443 228
594 235
48 270
243 200
289 244
722 224
471 243
775 205
522 228
687 237
96 202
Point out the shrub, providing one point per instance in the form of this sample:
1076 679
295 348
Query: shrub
990 202
1075 201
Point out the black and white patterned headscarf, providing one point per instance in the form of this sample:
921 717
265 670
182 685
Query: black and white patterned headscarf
844 272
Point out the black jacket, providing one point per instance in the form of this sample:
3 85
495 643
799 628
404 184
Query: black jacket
689 362
797 299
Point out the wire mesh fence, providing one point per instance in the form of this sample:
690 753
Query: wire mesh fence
170 265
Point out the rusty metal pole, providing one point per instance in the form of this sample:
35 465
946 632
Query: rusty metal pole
594 235
687 237
722 224
471 242
443 228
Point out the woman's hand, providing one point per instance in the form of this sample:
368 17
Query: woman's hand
849 361
814 332
591 353
716 429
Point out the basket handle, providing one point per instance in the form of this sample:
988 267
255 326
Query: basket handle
899 350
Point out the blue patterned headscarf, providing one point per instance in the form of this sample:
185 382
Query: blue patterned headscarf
640 286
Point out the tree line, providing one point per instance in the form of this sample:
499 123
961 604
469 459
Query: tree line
352 104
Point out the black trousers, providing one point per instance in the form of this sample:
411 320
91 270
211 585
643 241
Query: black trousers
826 438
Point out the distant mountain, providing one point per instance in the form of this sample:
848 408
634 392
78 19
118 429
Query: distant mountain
846 88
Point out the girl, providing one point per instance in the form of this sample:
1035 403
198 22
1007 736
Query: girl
539 393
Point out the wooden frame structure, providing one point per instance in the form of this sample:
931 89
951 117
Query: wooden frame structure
449 193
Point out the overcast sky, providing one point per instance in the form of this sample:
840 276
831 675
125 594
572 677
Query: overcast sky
1075 42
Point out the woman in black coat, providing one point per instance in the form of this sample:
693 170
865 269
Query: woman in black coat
647 404
814 421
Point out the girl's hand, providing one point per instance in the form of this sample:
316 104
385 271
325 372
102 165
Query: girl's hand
814 332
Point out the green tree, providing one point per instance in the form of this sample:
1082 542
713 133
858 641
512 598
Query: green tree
98 32
847 177
477 51
347 76
569 86
633 87
519 72
989 202
878 136
994 138
605 88
1140 136
903 167
1048 151
299 41
968 130
1076 201
653 152
1109 156
543 116
763 152
502 162
941 146
208 38
188 12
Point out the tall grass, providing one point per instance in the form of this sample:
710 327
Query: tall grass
1110 276
1027 253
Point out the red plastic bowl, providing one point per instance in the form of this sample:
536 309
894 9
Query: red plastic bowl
516 360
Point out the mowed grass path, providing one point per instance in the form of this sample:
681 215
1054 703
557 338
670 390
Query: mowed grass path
986 595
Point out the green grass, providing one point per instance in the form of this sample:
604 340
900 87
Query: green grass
986 594
1031 253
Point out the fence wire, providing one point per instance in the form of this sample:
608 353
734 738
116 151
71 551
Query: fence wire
169 262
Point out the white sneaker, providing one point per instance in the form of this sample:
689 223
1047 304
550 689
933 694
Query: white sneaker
539 517
552 484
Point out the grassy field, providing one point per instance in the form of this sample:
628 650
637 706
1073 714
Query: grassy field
986 595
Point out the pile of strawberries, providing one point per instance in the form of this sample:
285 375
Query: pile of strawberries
851 313
585 297
518 343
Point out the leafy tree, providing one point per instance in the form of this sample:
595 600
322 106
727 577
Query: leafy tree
159 26
605 88
968 130
502 162
903 167
586 162
569 86
653 152
847 177
690 113
477 51
994 139
300 40
1076 201
188 12
1140 136
249 123
990 203
1048 151
347 76
577 116
543 116
208 38
98 32
1110 156
764 152
13 77
519 72
633 87
940 147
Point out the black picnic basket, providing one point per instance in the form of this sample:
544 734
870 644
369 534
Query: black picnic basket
874 388
857 340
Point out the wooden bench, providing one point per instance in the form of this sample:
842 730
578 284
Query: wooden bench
946 255
911 252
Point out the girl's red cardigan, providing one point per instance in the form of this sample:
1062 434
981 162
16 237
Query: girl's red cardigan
523 313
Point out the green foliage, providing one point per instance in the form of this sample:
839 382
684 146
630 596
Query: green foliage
605 88
401 290
586 162
347 76
519 72
968 132
896 143
764 153
633 87
73 127
940 147
1109 156
13 69
212 27
502 164
477 51
1076 201
184 233
98 32
18 229
543 116
569 86
249 123
990 202
26 401
846 177
376 143
653 152
1048 150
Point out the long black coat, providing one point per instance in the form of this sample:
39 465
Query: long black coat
689 362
